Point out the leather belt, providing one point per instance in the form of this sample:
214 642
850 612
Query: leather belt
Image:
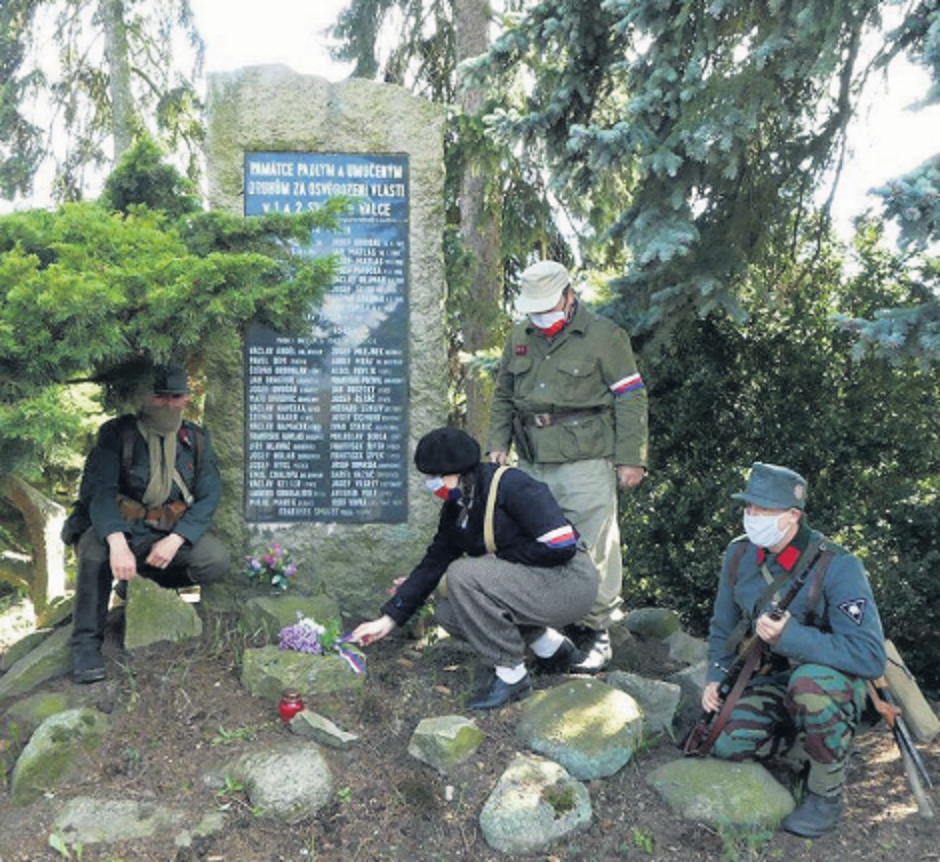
543 420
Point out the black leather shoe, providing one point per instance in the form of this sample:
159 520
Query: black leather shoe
88 666
595 653
499 693
559 662
816 816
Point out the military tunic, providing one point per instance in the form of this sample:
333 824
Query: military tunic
832 643
583 405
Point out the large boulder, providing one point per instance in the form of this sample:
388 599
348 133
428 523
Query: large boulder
154 615
588 727
84 821
288 782
653 623
55 750
267 671
269 614
659 700
534 804
721 793
52 658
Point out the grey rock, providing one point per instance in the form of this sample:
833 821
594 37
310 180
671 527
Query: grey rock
657 699
691 682
49 660
588 727
535 803
721 793
287 782
653 623
154 615
88 821
313 726
22 647
268 615
686 649
445 742
54 751
267 671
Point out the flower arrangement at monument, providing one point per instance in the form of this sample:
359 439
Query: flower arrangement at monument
308 636
272 566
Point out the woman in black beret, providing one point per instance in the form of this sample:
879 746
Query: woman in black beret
533 579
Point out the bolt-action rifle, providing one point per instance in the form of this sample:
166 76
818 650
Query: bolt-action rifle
914 767
700 739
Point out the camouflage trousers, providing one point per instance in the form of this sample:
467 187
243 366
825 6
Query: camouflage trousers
809 714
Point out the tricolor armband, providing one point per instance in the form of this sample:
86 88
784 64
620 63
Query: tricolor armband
633 383
563 537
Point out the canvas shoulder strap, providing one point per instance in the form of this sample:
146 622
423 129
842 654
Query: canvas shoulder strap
489 536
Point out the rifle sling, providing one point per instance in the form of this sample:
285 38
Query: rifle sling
810 556
715 728
808 559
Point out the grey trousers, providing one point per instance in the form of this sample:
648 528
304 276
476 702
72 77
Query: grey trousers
587 494
499 607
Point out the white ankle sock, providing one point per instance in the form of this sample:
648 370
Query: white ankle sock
510 675
546 645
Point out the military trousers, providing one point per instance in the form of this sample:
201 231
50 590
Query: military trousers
815 707
203 563
499 607
587 493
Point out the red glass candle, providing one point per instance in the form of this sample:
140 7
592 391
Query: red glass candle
290 704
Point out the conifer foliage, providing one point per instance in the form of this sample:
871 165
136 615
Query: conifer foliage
97 289
719 117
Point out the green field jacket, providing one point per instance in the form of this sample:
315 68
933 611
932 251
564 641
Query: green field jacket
575 396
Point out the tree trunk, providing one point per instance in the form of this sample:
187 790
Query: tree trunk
119 75
44 519
479 228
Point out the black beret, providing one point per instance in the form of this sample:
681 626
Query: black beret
444 451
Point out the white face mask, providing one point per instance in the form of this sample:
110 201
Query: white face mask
763 530
547 319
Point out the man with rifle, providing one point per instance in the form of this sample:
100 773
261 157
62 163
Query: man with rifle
817 639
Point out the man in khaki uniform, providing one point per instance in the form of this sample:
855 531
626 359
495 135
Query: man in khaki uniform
570 398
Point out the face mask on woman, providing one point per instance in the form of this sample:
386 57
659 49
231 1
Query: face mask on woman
437 487
763 530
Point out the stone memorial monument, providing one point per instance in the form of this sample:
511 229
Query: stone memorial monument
315 434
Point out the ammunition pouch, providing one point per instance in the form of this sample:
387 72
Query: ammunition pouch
163 518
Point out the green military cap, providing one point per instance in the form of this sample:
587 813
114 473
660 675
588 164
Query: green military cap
774 487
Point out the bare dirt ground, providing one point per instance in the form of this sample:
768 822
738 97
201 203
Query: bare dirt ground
178 711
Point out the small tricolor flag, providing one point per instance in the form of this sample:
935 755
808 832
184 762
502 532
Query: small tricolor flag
628 384
563 537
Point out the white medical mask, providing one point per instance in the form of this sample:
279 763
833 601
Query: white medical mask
547 319
763 530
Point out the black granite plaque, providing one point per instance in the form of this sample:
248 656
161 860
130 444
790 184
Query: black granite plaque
327 415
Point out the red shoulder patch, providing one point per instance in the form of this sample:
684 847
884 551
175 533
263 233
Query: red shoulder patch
522 349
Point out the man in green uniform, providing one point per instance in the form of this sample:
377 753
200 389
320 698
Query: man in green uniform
149 490
570 398
810 696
